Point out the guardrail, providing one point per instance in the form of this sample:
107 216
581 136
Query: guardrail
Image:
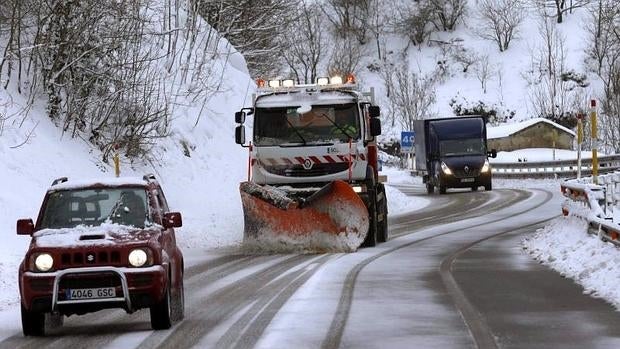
553 169
595 203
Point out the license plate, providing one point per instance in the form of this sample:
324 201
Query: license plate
467 180
91 293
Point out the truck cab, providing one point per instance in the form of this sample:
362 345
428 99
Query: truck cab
452 153
306 136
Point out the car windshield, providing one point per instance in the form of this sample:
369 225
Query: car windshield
322 124
92 207
460 147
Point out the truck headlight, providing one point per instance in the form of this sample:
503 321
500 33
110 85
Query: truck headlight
138 258
446 169
358 188
486 167
44 262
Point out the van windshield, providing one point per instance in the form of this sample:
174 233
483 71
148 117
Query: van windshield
460 147
92 207
322 124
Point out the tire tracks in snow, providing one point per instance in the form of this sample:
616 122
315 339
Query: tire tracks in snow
333 338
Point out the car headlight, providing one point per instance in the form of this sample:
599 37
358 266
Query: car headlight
138 258
486 167
44 262
446 169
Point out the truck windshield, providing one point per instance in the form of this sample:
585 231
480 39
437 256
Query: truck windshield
92 207
460 147
322 124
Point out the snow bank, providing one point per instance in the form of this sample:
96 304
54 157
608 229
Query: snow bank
565 246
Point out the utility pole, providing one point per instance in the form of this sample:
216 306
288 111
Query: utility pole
579 142
594 141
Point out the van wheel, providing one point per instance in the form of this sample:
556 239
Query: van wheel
442 189
474 188
33 323
161 313
488 187
429 188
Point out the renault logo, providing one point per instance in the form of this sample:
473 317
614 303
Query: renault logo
307 164
466 168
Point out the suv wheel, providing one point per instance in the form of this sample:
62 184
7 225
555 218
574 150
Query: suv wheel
33 323
178 304
161 312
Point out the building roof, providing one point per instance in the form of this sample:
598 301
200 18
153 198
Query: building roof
510 129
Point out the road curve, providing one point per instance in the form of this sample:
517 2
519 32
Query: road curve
422 288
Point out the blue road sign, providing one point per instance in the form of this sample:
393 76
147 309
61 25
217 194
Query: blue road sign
406 141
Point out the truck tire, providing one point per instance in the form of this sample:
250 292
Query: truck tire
382 224
371 205
430 188
33 323
488 186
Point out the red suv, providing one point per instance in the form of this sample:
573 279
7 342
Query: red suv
101 244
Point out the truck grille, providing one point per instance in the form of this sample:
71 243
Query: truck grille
300 171
461 173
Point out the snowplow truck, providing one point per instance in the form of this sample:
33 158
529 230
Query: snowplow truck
313 184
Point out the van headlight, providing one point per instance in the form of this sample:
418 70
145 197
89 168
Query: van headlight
44 262
486 167
446 170
138 258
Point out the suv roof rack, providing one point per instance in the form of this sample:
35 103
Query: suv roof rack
59 180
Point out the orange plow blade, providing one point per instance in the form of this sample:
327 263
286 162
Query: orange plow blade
333 219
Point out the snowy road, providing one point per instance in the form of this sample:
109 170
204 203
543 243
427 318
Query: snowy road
452 276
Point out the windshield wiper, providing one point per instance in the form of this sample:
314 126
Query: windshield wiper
296 131
340 128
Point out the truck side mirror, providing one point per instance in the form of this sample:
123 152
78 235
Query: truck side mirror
240 117
492 153
374 111
240 134
375 126
25 227
172 220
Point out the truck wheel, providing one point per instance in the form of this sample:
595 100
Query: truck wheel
429 188
382 224
371 237
488 187
33 323
161 312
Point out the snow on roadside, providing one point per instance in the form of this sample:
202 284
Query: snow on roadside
399 202
565 246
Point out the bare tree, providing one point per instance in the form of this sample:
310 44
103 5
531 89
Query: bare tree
446 13
253 27
500 20
560 7
485 71
556 93
350 18
414 20
304 46
412 95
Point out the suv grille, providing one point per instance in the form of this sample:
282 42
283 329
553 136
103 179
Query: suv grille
90 258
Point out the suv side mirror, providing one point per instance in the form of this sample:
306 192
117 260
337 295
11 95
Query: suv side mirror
492 153
172 220
374 111
25 227
240 117
375 126
240 134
